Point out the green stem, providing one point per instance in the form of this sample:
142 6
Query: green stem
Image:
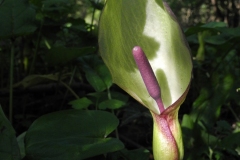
1 73
222 58
110 97
93 14
234 114
70 89
11 83
36 50
73 74
109 93
70 82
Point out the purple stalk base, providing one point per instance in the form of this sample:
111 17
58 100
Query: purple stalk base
148 76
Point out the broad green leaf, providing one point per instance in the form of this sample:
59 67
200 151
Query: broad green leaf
119 96
95 80
33 80
231 141
211 26
76 25
71 134
8 142
187 122
39 3
16 18
96 72
62 55
56 2
214 25
102 96
21 144
54 9
105 75
217 40
225 35
207 107
111 104
80 103
208 138
97 95
223 127
152 26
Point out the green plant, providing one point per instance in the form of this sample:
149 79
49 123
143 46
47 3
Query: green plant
60 89
207 128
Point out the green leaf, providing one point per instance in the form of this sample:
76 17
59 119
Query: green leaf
223 127
187 122
54 9
96 72
33 80
95 80
211 26
21 144
111 104
114 95
217 40
8 142
99 97
207 107
80 103
71 134
152 26
214 25
16 18
105 75
225 35
62 55
231 141
208 139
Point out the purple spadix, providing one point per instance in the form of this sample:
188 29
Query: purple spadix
148 76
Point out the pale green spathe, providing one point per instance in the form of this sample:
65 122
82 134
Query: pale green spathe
146 23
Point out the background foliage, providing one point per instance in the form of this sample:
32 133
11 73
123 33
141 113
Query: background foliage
59 99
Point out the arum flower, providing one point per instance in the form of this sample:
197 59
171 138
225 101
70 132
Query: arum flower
144 48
